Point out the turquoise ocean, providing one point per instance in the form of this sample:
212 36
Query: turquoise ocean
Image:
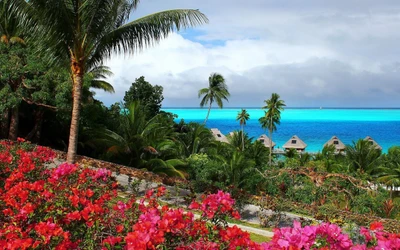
313 126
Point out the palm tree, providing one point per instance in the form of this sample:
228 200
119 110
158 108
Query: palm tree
197 139
389 172
10 30
141 143
362 156
272 117
85 32
217 91
237 167
243 117
291 153
238 140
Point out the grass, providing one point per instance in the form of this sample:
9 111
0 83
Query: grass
259 238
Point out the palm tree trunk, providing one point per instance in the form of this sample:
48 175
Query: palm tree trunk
74 129
242 137
208 113
270 147
14 123
4 123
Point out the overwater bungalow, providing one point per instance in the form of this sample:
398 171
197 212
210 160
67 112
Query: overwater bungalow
218 135
339 145
296 143
369 138
265 140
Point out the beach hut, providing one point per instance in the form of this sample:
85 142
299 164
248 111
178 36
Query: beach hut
218 135
296 143
339 145
369 138
265 140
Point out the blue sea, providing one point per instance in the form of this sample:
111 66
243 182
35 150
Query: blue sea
313 126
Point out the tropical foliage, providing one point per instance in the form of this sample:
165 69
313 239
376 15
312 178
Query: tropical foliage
71 207
82 33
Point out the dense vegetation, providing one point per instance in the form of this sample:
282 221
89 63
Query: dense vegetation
37 98
137 134
73 207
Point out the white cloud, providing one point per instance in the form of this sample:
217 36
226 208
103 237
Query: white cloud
313 54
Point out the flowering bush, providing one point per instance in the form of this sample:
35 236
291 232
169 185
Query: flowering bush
330 236
70 207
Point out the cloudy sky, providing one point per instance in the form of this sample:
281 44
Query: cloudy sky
339 53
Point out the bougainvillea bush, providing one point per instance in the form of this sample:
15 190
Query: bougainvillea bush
71 207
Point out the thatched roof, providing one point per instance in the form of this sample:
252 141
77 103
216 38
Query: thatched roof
265 140
218 135
339 145
295 142
369 138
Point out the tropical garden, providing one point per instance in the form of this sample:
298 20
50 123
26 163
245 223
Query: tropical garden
51 63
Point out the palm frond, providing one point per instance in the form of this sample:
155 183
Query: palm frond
144 32
103 85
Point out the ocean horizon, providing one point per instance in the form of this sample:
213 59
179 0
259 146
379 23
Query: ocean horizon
314 125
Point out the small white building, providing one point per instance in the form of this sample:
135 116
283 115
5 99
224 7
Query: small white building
219 136
296 143
266 141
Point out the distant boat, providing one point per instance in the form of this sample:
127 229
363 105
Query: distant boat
320 107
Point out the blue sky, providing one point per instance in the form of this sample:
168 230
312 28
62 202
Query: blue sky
341 53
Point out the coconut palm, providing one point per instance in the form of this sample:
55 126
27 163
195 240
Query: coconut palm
85 32
10 26
243 117
272 117
217 91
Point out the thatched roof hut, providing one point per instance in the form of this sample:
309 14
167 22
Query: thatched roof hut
296 143
218 135
265 140
339 145
369 138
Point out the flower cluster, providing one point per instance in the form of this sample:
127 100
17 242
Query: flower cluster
70 207
216 204
330 236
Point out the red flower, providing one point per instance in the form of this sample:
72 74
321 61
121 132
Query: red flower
119 228
376 226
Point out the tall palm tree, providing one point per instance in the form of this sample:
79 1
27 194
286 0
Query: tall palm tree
217 91
243 117
85 32
272 117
